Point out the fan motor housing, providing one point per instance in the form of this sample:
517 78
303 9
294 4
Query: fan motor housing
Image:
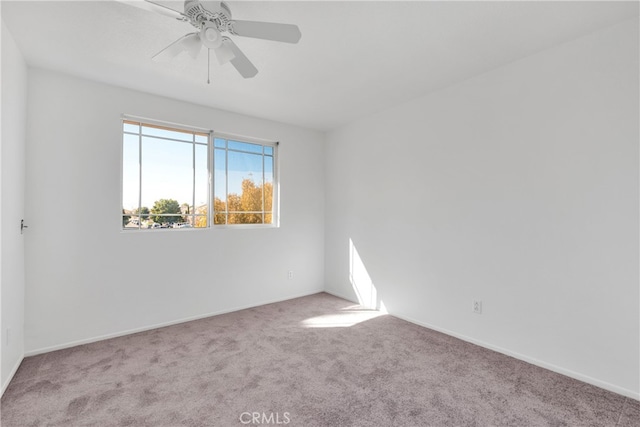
198 14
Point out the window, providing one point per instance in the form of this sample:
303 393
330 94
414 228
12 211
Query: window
176 177
244 178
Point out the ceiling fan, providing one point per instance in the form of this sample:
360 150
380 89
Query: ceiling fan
211 19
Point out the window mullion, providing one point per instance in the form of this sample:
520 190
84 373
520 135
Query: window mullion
263 184
226 182
212 181
193 185
139 176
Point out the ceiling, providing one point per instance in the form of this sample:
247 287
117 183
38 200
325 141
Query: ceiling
354 58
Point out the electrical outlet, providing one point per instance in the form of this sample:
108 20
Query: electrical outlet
290 274
477 307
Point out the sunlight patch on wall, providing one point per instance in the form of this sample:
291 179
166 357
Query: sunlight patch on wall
361 280
382 309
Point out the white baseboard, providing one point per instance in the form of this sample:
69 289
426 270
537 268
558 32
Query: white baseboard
11 375
42 350
558 369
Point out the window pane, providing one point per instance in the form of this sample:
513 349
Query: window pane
202 139
202 179
220 143
242 167
128 127
164 133
220 218
268 150
245 181
268 169
245 146
245 218
130 177
200 221
144 221
268 188
220 182
167 178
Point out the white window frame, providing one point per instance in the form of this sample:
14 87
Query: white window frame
211 136
276 186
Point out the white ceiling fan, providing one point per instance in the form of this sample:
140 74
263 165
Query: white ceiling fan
211 19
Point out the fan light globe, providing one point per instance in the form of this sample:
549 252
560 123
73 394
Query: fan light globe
212 38
212 35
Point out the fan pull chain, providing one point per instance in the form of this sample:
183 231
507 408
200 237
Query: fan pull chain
208 66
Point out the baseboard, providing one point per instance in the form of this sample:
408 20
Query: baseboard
11 375
551 367
160 325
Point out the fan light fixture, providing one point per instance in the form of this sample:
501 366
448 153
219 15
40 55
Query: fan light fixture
212 38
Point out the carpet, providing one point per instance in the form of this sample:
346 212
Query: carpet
311 361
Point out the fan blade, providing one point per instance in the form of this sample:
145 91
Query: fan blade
224 53
287 33
191 43
240 62
155 7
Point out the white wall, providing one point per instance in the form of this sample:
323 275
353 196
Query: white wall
87 279
14 109
518 187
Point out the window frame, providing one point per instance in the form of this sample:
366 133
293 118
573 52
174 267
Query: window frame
276 185
210 144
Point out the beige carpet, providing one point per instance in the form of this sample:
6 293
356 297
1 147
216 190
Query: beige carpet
313 361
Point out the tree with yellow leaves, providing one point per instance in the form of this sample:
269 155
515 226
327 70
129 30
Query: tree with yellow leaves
247 207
